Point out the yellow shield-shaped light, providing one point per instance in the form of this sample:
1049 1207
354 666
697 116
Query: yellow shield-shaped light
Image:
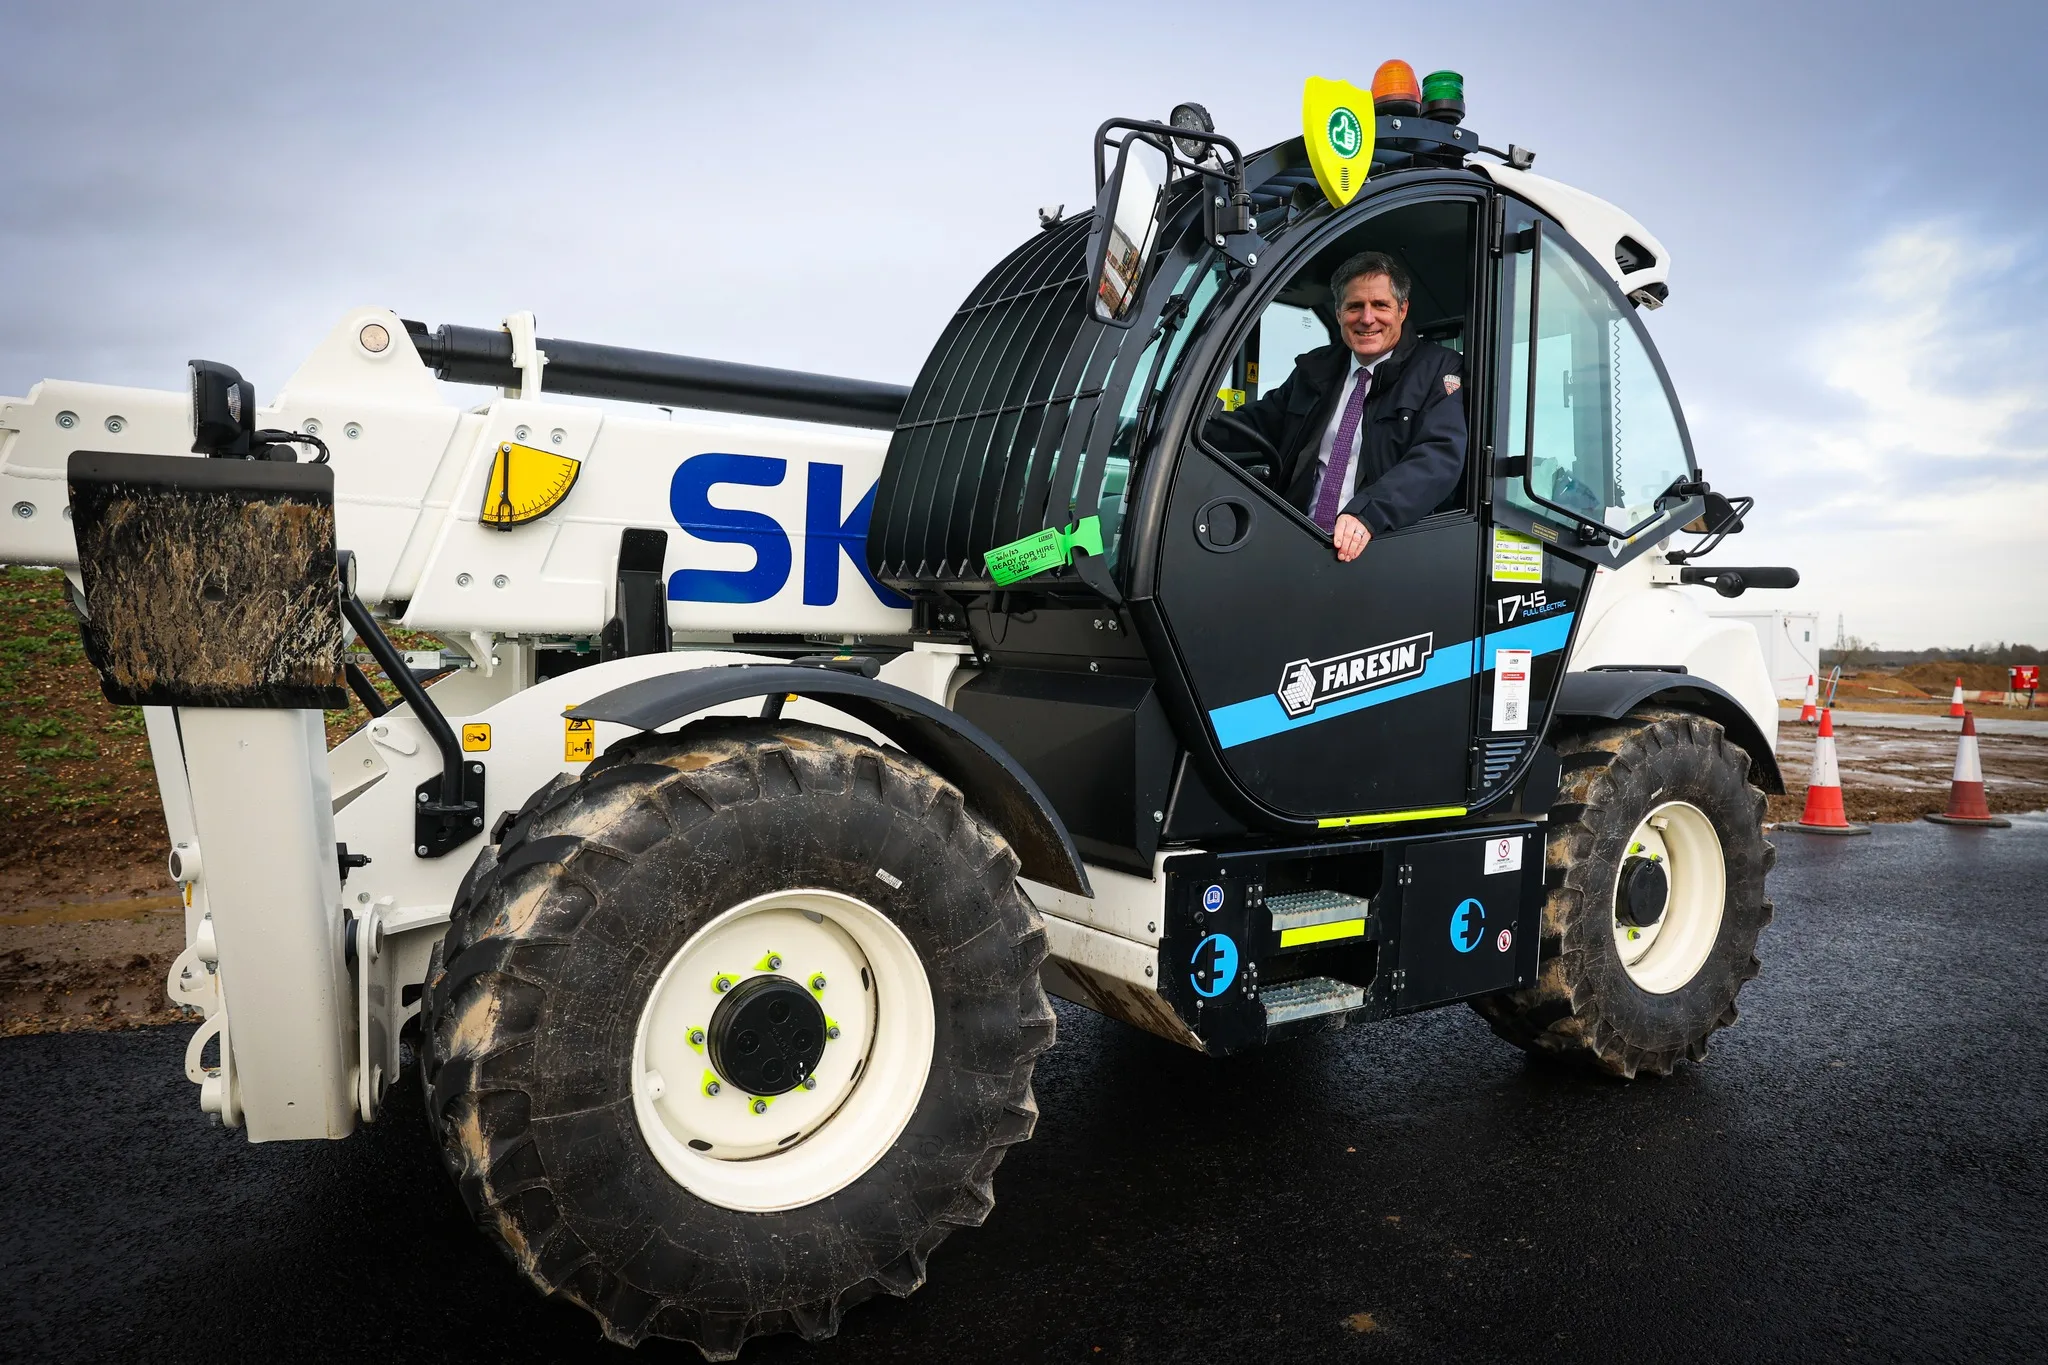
1336 121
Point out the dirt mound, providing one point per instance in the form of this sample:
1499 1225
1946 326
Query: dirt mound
1939 677
1876 686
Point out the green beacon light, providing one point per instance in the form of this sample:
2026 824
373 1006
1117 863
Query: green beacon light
1443 97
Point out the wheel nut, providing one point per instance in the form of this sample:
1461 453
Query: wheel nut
818 982
759 1106
696 1037
810 1082
832 1031
722 985
774 963
711 1087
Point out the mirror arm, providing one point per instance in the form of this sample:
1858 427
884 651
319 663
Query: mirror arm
1233 169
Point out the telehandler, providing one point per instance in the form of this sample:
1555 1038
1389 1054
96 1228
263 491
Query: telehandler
782 757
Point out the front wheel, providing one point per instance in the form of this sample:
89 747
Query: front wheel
729 1033
1655 861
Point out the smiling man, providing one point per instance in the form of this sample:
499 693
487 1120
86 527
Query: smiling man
1370 430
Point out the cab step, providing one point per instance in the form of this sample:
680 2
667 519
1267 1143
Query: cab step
1303 919
1309 1006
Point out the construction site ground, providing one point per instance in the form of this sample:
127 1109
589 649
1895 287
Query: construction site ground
90 920
89 917
1855 1173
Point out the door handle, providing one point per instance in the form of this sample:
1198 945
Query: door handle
1224 524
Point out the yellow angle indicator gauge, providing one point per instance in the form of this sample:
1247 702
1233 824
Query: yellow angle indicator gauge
525 485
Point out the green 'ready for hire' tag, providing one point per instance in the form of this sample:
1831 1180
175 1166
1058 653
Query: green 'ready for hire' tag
1042 550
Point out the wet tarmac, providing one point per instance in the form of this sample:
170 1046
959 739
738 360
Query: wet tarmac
1858 1172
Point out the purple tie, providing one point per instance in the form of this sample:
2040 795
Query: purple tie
1332 488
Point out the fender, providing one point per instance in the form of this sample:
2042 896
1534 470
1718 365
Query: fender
1611 693
957 750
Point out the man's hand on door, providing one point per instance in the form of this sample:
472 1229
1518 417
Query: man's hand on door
1351 537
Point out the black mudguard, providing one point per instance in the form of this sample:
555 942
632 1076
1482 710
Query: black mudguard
1612 693
954 747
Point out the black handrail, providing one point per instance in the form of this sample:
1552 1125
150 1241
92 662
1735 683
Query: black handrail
393 663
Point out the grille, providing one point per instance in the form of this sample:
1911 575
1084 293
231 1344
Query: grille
1497 758
997 421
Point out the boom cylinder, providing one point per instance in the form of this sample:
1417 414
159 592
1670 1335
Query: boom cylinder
479 355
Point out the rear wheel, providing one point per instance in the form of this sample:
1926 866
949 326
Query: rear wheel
729 1033
1655 862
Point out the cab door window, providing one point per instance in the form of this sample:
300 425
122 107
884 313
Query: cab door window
1608 442
1284 332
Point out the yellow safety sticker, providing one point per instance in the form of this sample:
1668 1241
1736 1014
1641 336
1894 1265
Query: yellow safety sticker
1390 817
1516 558
1233 399
1322 933
579 740
1337 125
476 737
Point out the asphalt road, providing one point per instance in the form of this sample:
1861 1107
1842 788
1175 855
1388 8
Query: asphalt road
1856 1173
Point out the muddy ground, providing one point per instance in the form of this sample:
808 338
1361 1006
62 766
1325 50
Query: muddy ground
1904 774
89 917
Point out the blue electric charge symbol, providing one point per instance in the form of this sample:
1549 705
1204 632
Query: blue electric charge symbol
1468 925
1215 958
1212 899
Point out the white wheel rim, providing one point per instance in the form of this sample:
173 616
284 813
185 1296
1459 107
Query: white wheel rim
806 1144
1662 957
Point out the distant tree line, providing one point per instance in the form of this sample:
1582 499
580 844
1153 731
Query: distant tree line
1859 653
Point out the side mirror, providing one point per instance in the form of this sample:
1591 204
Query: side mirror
1126 226
1719 517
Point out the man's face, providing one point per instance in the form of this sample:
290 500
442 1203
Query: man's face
1371 316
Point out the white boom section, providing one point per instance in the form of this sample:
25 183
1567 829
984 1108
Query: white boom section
766 520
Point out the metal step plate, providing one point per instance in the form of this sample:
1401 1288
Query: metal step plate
1302 918
1309 999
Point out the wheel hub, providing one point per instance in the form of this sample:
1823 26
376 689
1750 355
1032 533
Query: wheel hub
1644 890
1669 894
766 1035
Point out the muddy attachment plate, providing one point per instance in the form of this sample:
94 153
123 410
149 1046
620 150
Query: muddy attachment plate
208 582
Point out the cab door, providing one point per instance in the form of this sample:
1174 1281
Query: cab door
1329 694
1596 461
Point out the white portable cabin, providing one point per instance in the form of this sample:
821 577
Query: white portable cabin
1791 645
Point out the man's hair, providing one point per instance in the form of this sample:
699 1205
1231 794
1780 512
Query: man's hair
1370 263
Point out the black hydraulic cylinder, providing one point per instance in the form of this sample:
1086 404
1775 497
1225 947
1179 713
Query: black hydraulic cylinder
478 355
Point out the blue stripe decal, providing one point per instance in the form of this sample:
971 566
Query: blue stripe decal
1244 721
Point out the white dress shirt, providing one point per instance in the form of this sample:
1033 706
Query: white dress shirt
1329 441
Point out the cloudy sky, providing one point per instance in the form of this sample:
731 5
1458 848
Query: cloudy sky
1852 196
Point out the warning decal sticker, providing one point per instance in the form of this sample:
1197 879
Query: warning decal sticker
1516 558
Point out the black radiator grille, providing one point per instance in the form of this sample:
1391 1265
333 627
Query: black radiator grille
990 442
1497 758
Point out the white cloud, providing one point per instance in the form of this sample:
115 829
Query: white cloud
1902 457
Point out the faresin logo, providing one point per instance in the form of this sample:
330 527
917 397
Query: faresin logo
1306 684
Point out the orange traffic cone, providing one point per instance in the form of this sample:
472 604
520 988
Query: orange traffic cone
1824 813
1809 714
1955 701
1966 804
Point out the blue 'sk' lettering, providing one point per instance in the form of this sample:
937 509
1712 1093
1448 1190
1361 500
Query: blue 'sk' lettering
825 533
690 501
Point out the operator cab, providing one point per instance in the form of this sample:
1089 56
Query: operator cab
1173 650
